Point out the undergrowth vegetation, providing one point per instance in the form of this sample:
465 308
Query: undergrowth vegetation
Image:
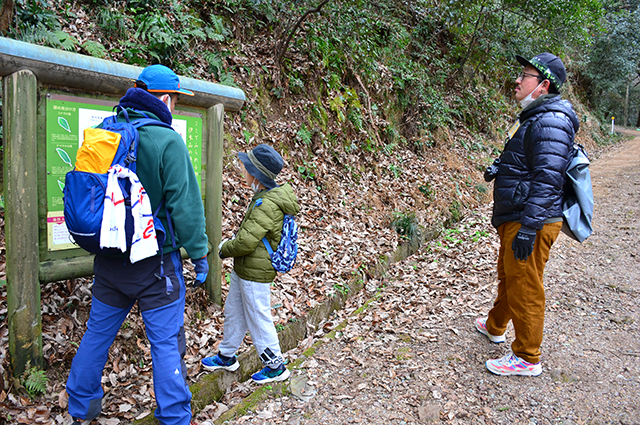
392 71
364 78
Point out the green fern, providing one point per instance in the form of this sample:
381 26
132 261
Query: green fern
62 40
217 31
226 78
190 25
114 23
95 49
35 381
57 39
407 226
35 35
304 135
216 66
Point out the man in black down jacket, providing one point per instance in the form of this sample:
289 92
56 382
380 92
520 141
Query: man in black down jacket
527 210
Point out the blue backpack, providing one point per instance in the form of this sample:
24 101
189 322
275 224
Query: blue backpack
85 186
284 257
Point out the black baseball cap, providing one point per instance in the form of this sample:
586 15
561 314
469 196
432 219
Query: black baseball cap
550 66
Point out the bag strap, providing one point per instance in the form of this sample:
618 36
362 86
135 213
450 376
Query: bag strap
526 139
264 239
169 285
169 224
150 121
268 246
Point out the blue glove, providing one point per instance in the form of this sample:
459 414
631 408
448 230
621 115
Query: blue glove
202 270
522 245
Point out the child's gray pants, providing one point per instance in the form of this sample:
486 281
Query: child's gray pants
248 307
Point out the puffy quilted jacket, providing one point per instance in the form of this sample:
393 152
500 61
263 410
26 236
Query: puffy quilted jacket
263 218
529 185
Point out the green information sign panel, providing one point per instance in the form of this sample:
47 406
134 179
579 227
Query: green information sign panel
67 117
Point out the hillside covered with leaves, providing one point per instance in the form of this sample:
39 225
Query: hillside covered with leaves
348 83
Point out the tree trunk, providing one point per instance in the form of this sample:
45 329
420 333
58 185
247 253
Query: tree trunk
283 45
6 15
471 44
626 108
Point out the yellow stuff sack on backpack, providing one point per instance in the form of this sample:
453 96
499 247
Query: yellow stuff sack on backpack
97 151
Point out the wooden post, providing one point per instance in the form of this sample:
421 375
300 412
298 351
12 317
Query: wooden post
21 220
213 198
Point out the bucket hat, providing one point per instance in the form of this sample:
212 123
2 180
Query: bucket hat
263 163
550 66
160 79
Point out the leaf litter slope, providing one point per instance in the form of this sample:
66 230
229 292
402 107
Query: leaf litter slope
425 306
413 355
344 229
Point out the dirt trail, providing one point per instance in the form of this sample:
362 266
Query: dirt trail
413 356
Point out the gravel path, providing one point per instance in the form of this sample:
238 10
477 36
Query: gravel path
413 355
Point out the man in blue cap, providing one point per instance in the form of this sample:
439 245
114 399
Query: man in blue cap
156 284
527 210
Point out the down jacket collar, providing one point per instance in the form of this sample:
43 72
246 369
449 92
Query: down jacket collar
551 103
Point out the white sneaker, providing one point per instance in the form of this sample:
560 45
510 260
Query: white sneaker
513 365
481 326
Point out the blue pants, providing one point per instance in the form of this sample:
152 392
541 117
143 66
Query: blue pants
117 286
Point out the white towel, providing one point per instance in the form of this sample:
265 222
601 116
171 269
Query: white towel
144 243
112 233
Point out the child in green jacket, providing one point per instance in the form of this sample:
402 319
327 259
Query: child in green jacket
248 304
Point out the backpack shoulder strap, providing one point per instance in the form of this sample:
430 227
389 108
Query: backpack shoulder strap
150 121
527 134
526 139
267 245
119 109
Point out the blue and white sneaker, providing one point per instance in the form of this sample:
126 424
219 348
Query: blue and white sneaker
271 375
215 363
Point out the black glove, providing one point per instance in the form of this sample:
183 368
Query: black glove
492 171
522 245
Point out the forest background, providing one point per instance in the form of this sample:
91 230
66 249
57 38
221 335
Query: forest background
363 76
386 111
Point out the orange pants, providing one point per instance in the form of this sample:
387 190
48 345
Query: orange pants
521 290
